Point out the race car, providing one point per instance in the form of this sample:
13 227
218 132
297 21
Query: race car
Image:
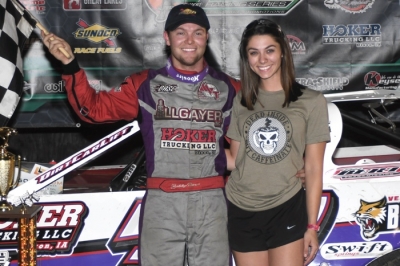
90 216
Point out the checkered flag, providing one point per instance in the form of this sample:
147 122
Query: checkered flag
16 25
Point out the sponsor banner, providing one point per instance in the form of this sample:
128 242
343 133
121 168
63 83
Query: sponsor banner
355 250
366 224
352 7
355 227
67 225
36 7
375 80
92 5
365 171
98 228
351 48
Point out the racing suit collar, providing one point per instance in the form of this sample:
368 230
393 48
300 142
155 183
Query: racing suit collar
186 77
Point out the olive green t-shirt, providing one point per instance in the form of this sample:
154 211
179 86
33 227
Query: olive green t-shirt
272 144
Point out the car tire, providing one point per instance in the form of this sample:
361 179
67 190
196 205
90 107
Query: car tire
390 259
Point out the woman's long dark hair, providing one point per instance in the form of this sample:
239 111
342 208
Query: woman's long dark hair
250 80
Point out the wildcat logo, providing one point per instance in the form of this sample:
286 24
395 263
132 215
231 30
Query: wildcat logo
377 217
58 228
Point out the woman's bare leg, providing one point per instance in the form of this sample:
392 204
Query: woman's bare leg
288 255
255 258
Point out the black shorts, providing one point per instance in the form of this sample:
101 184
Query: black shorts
259 231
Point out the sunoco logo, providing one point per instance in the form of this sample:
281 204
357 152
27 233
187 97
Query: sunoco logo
350 6
96 33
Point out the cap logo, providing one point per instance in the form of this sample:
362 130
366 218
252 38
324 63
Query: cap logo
187 11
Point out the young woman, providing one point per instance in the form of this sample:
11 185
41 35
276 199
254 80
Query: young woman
277 127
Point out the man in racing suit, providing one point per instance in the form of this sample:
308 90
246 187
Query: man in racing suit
184 112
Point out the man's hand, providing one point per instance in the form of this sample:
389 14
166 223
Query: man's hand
56 46
302 175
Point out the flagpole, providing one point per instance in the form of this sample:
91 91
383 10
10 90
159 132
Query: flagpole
62 50
41 27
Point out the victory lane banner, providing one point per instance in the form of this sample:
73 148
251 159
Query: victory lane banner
351 48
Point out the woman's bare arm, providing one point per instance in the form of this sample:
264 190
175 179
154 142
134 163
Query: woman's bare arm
314 158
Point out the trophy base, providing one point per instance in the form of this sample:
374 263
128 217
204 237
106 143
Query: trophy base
5 206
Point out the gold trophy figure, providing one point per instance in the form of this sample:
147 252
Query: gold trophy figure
7 168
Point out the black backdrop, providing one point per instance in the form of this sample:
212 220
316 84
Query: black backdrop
338 46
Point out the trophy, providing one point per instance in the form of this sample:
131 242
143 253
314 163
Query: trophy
7 168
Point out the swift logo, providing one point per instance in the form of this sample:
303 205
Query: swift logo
353 250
